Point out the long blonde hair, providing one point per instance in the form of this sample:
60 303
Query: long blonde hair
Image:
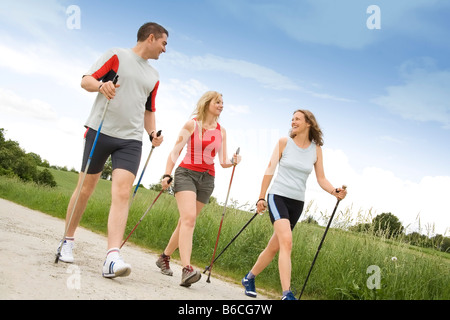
203 104
315 133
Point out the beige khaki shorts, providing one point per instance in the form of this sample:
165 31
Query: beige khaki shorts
202 183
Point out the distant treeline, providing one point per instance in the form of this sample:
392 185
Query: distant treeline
14 161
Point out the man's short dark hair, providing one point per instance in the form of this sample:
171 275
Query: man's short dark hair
151 28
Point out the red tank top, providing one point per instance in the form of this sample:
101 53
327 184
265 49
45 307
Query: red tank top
200 154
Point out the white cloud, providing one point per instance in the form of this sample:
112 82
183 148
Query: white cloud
42 60
268 78
263 75
236 110
425 95
256 146
376 190
13 104
59 141
175 102
33 17
391 139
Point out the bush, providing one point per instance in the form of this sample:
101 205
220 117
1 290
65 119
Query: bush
45 177
14 161
388 225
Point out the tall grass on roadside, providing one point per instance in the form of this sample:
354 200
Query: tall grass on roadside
342 270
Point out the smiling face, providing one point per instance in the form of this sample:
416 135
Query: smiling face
209 104
299 123
304 122
216 106
156 46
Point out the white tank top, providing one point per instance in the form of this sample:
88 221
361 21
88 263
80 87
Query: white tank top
294 168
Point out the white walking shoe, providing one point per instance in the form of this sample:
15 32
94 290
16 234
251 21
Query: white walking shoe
114 266
66 254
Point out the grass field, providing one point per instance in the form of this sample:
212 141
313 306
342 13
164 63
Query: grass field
350 265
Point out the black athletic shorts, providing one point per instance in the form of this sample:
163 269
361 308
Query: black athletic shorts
284 208
125 153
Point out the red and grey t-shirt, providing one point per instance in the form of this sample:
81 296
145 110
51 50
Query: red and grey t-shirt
138 87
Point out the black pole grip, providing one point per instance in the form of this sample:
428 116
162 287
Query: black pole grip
116 78
168 176
157 134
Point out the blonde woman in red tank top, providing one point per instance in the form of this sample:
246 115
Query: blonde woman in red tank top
194 178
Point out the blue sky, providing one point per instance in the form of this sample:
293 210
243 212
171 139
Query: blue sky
381 96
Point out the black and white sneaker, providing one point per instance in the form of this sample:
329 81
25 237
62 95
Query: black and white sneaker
114 266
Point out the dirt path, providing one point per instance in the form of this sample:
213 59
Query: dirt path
28 242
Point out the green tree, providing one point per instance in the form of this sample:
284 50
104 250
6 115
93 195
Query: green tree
9 152
155 187
37 158
45 177
361 227
445 245
107 169
212 200
310 219
25 167
14 161
158 187
387 224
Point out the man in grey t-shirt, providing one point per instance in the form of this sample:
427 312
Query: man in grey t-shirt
130 111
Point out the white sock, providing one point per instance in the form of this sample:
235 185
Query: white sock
113 254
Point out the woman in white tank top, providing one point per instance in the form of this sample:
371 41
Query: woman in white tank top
295 156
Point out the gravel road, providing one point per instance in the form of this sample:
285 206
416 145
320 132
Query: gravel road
28 243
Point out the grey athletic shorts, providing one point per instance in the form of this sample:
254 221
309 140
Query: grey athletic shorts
125 154
202 183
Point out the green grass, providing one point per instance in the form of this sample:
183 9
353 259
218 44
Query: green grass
340 271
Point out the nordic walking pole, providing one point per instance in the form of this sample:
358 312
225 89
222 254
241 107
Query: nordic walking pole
226 247
143 216
58 253
221 221
320 245
143 170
